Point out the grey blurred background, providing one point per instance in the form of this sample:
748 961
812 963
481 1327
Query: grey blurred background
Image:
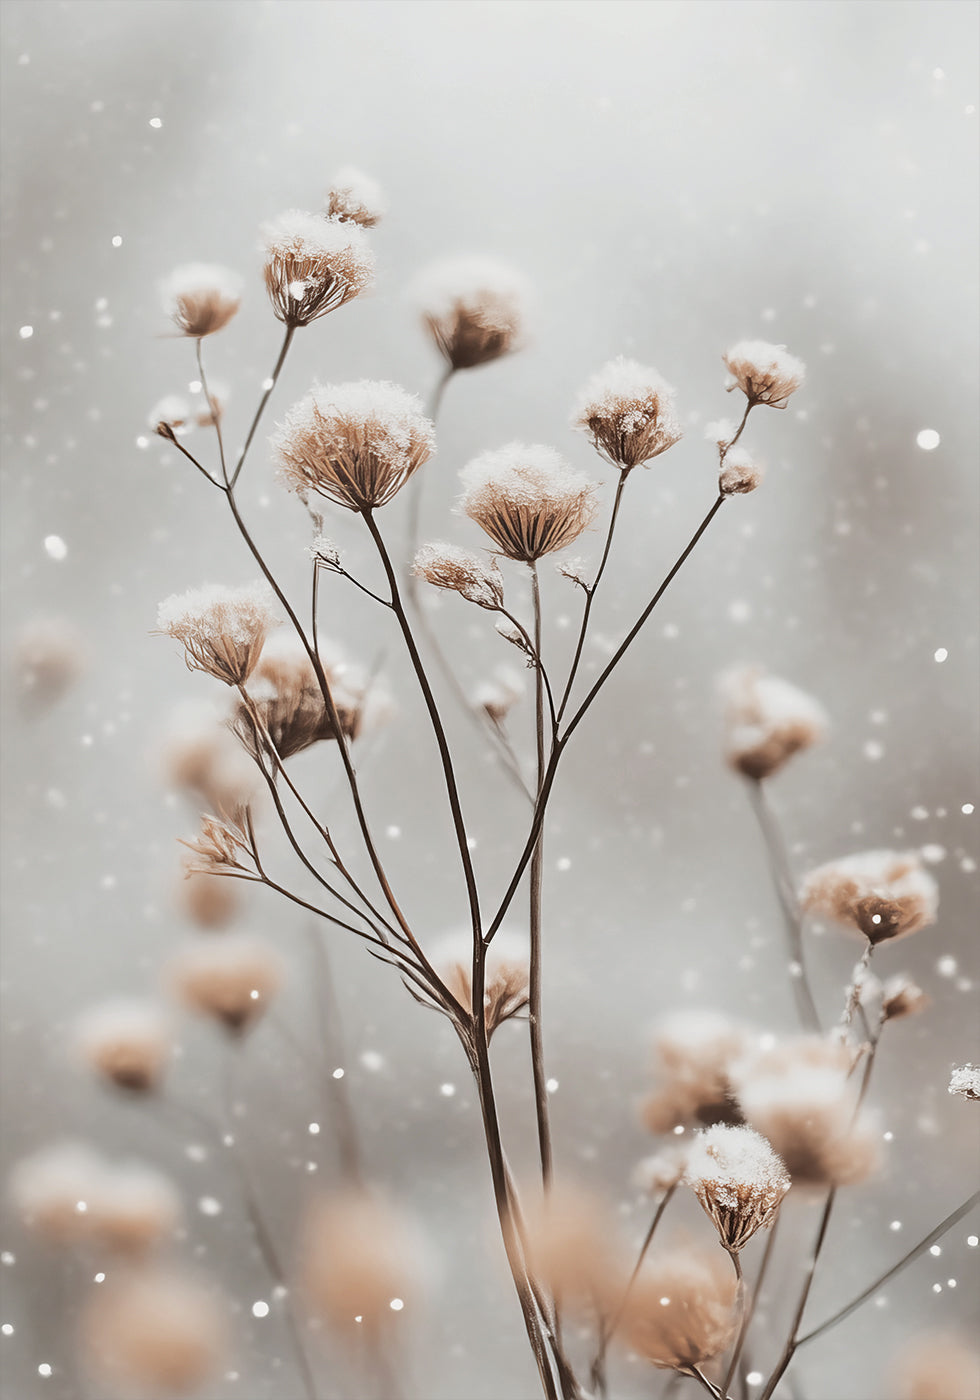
671 177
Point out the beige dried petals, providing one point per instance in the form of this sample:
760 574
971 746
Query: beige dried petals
51 1190
49 656
739 474
474 309
127 1041
201 757
232 978
461 571
572 1249
739 1180
900 996
882 894
935 1366
681 1311
766 374
693 1053
355 198
357 444
767 721
527 499
314 265
201 299
506 974
628 411
153 1331
218 848
222 629
359 1254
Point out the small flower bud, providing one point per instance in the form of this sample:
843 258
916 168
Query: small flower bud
766 374
474 309
901 997
767 721
232 978
201 299
965 1081
354 197
628 411
739 1180
51 1190
739 474
126 1041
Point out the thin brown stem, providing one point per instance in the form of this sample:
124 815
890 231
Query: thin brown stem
610 1329
273 379
414 491
535 969
789 1350
743 1313
590 596
174 442
213 410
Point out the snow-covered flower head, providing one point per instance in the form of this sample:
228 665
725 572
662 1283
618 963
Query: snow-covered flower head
170 417
739 1180
355 198
49 657
232 978
479 580
882 894
966 1082
527 499
680 1310
628 411
356 444
126 1040
694 1050
201 299
739 474
51 1190
222 629
150 1330
286 698
900 996
506 981
134 1207
474 309
767 721
765 373
498 695
313 265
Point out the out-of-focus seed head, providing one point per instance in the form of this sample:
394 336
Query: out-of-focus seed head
474 308
127 1041
693 1052
51 1190
232 978
739 1180
882 894
767 721
739 474
573 1251
965 1081
201 299
628 411
314 265
527 499
170 417
354 197
680 1312
49 656
201 757
134 1208
935 1366
766 374
505 988
900 996
497 696
208 900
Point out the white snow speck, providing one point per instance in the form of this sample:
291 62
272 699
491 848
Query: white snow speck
260 1309
117 241
313 1129
338 1074
7 1329
396 1305
44 1369
55 547
156 122
940 655
372 1061
967 809
928 439
26 332
947 966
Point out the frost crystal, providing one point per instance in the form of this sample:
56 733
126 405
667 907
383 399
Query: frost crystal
628 411
739 1180
527 499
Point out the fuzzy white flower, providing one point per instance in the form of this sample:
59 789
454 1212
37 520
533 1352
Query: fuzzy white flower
882 894
767 721
528 499
126 1040
202 299
765 373
628 411
222 629
739 1180
474 309
313 265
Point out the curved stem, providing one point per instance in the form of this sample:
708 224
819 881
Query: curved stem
590 596
287 340
212 407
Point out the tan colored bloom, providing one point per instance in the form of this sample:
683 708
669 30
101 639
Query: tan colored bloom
49 657
505 987
765 373
478 580
285 694
202 299
474 309
527 499
51 1190
767 721
126 1041
363 1264
628 411
134 1208
681 1311
202 757
694 1051
661 1172
314 265
739 1180
357 444
232 978
217 849
801 1096
882 894
900 996
153 1330
739 474
355 198
572 1249
208 900
498 695
935 1366
222 629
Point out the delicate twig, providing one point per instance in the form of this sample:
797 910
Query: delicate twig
271 384
706 1384
414 490
791 1342
535 968
609 1329
742 1308
792 916
175 442
751 1302
213 410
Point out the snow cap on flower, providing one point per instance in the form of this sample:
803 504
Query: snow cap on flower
739 1180
477 579
201 299
739 474
232 978
222 629
767 721
170 417
965 1081
51 1190
474 309
288 703
357 444
314 265
527 499
680 1311
900 996
152 1330
694 1050
134 1207
765 373
882 894
355 198
628 411
127 1041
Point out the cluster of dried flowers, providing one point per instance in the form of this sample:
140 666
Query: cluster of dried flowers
773 1120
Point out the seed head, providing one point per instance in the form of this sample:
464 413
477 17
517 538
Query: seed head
739 474
572 1249
900 996
218 847
354 197
527 499
881 894
202 299
694 1051
474 309
170 417
232 978
767 721
208 900
505 988
49 657
126 1041
313 265
739 1180
285 694
498 696
460 570
628 411
201 757
935 1366
681 1311
51 1190
134 1208
222 629
765 373
357 444
965 1081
